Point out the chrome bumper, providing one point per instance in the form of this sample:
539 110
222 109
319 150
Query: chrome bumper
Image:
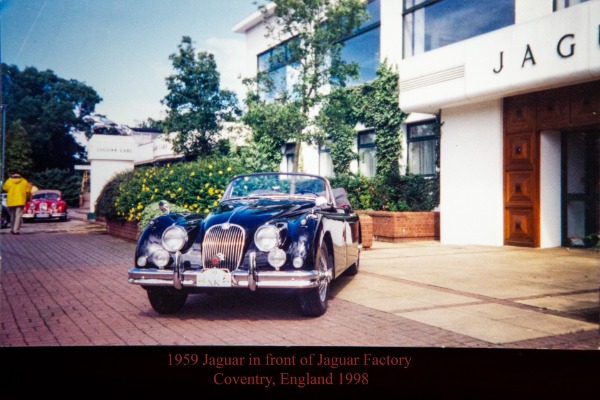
239 279
251 278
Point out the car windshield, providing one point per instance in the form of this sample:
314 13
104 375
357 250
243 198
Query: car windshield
45 196
276 185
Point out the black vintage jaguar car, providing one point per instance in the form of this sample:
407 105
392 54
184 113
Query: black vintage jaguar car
269 231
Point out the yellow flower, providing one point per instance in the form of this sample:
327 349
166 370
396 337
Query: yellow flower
206 210
211 191
192 173
210 166
215 203
171 171
220 172
228 168
179 190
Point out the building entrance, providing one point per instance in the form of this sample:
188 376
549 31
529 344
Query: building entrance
580 187
572 112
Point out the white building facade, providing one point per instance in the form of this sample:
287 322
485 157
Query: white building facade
515 86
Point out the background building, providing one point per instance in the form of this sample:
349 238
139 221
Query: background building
515 85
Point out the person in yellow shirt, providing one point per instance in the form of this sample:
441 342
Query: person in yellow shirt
19 192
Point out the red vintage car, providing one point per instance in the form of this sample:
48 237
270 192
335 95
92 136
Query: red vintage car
45 204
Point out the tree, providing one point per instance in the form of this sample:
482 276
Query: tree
152 124
50 109
18 156
312 31
196 104
271 124
63 180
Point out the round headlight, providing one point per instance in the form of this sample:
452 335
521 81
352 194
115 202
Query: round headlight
174 238
276 258
266 238
160 258
141 261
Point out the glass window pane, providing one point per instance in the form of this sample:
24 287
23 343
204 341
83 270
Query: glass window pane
421 130
366 138
325 164
449 21
561 4
374 10
421 157
363 49
367 161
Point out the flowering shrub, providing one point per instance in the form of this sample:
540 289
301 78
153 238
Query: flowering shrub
194 186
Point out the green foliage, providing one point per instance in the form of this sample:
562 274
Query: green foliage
392 193
18 153
194 186
316 28
376 105
105 204
152 124
196 104
152 211
271 125
338 120
59 179
49 109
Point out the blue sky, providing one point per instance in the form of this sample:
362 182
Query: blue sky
121 48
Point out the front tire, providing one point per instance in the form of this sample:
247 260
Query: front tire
314 302
166 300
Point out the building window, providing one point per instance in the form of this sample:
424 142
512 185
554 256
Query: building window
288 156
363 46
367 161
423 144
431 24
325 162
561 4
280 68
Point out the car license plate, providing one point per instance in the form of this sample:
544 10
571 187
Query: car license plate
42 216
214 277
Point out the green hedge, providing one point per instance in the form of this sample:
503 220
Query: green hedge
197 187
392 193
194 186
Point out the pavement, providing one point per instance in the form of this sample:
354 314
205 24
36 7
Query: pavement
459 295
466 318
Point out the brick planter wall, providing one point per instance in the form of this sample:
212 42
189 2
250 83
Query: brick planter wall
366 224
390 226
124 229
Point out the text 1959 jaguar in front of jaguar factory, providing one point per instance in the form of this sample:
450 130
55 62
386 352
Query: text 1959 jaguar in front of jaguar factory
269 231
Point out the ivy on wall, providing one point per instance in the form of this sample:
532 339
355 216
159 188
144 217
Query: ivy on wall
374 104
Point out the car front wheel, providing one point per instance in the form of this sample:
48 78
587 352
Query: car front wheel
166 300
314 302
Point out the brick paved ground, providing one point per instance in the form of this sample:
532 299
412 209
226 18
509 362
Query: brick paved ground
67 287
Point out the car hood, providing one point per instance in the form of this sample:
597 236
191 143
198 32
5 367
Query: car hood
254 213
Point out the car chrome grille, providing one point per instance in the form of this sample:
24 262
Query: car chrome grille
224 242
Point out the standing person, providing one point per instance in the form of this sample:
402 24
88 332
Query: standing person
19 192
